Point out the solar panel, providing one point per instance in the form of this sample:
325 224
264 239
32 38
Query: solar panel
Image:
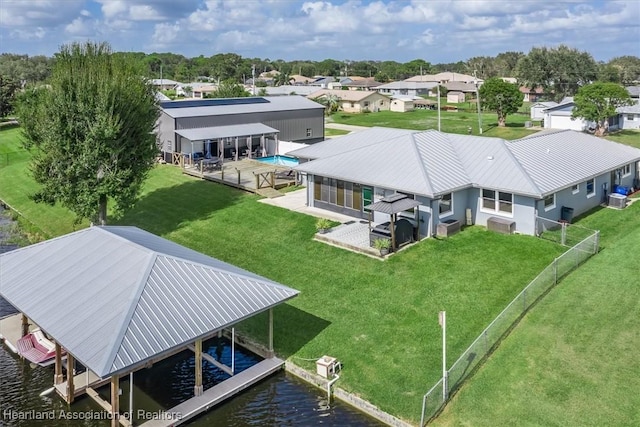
213 102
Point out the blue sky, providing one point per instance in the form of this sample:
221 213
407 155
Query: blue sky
437 31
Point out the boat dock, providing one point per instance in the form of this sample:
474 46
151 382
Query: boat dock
216 394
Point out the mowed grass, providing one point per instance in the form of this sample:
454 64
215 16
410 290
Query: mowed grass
378 318
573 360
451 121
629 137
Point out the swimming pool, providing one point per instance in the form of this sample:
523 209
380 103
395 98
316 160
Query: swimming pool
279 160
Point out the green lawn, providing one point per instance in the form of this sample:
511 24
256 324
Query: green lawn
378 318
573 360
334 132
629 137
453 122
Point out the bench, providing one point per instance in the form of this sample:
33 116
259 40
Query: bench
501 225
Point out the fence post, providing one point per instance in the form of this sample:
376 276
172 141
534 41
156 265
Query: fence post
555 271
564 234
524 300
486 343
424 404
596 242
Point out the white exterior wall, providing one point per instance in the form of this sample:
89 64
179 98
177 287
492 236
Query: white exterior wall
629 121
564 122
537 113
401 106
523 212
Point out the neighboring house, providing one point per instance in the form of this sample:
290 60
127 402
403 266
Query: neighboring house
455 97
426 104
201 91
634 91
406 88
537 109
532 95
511 80
214 126
455 177
299 80
461 87
165 84
361 84
355 101
629 116
323 82
288 90
445 77
401 104
559 117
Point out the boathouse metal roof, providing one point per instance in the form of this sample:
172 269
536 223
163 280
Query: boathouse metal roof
217 132
119 297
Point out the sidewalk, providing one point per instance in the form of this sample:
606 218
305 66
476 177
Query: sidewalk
340 126
297 201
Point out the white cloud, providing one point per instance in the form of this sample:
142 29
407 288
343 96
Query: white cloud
38 13
80 27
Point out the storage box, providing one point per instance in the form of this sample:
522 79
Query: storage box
325 366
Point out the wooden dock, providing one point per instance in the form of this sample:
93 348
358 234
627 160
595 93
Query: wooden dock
216 394
81 382
11 331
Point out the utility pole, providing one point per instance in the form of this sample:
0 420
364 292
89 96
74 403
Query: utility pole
253 78
439 107
475 80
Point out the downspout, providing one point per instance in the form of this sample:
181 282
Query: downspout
432 226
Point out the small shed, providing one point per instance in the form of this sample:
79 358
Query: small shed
401 104
455 97
537 109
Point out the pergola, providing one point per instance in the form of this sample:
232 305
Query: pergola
230 133
392 205
118 299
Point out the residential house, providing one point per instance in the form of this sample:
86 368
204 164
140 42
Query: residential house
164 84
537 109
559 117
634 91
406 88
455 177
466 88
355 101
289 90
629 116
216 127
299 80
361 84
324 82
455 97
532 94
445 77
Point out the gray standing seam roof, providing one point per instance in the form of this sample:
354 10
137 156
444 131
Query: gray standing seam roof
229 131
432 163
275 103
116 297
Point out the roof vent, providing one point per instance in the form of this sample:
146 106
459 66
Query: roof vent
489 157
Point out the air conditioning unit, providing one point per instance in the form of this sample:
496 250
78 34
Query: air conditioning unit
618 201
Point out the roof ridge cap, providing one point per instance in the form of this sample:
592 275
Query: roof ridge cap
134 298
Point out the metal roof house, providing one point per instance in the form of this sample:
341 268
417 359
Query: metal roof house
286 118
455 177
120 298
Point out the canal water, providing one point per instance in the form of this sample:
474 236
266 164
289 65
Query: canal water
279 400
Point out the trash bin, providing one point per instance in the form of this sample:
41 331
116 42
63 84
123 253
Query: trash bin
566 214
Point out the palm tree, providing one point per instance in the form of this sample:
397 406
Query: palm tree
330 101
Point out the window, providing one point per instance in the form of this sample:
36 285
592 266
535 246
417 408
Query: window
409 213
631 117
591 188
626 170
446 204
309 132
503 204
575 189
550 202
365 104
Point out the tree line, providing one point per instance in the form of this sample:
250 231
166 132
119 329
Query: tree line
560 71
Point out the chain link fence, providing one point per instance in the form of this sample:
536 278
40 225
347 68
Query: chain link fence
561 232
500 327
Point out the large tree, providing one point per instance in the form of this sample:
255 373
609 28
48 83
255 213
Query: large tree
502 97
230 89
560 71
8 89
598 101
91 131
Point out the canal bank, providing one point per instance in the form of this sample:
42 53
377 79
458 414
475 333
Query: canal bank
23 383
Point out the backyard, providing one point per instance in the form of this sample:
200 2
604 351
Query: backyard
573 359
378 318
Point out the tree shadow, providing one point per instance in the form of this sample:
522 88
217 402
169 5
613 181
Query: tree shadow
169 208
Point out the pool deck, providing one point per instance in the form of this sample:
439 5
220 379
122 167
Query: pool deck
216 394
245 175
